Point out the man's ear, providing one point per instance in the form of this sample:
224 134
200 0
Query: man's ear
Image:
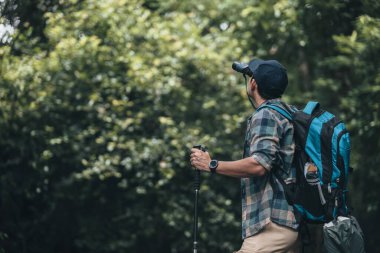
252 84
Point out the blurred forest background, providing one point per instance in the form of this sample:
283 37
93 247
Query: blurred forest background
100 102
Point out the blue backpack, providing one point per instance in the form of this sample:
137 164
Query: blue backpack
321 160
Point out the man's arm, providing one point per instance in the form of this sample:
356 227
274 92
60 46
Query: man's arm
246 167
265 133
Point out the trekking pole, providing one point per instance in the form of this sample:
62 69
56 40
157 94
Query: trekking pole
197 183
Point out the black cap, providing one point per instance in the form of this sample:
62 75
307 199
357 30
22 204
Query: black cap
271 77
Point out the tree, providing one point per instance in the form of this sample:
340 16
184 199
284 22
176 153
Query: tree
97 127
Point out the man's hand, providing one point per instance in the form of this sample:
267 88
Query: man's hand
200 159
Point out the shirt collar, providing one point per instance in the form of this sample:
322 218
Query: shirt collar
269 101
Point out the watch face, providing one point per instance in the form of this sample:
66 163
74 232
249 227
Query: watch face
213 163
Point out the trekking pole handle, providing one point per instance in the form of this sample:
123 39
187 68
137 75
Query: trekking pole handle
200 147
196 189
197 172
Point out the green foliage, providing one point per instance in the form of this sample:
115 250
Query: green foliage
102 100
97 130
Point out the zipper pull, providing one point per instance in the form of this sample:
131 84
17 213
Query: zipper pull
329 187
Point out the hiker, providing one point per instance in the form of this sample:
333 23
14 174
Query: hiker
269 223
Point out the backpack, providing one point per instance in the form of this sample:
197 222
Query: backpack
321 159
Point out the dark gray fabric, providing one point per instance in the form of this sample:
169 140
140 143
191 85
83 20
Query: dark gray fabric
343 236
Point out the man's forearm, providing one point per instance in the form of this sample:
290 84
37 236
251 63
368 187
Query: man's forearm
247 167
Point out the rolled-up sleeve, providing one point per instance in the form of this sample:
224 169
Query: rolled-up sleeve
264 136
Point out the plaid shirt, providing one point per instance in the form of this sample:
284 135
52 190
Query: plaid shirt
269 140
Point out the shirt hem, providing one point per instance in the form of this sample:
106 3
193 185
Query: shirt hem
293 226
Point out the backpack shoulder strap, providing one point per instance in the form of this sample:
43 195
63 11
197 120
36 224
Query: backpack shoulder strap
278 109
310 107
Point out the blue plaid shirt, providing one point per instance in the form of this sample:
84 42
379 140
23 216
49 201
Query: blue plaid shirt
269 140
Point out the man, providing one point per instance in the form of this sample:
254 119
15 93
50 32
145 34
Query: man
269 223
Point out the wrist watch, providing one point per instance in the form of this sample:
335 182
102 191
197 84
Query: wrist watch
213 165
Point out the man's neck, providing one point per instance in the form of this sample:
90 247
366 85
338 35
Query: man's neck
259 101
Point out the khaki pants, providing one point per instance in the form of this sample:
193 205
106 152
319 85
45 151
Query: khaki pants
272 239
